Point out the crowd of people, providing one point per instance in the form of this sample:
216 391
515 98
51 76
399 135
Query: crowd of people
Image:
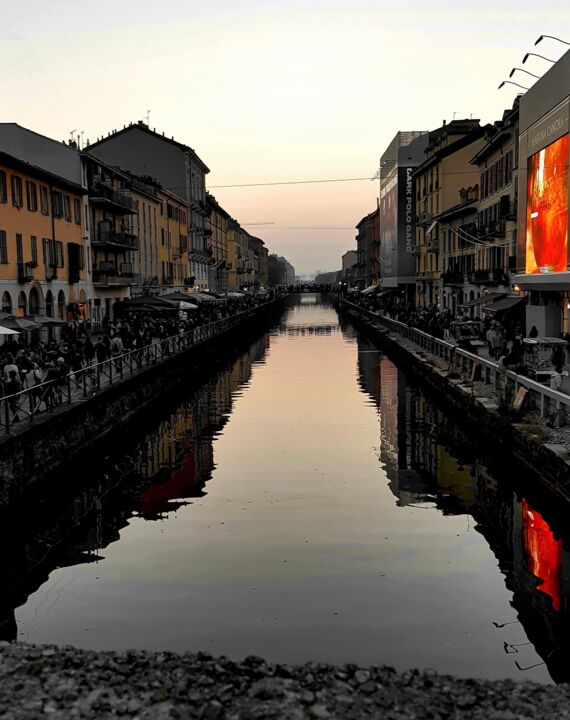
499 339
32 361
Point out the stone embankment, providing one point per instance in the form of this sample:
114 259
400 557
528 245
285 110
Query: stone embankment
45 442
542 446
63 683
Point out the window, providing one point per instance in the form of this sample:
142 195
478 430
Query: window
3 248
32 196
17 197
57 204
34 250
44 200
77 211
162 235
6 302
49 252
67 207
19 249
3 187
59 254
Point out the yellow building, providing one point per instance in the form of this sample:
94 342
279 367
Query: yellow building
172 239
438 181
237 255
216 232
42 251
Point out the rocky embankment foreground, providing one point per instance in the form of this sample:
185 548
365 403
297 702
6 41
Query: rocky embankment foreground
45 681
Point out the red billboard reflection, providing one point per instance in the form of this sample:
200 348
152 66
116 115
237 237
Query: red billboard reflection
544 553
547 209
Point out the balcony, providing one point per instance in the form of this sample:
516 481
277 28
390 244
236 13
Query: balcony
103 195
106 275
489 276
112 238
453 277
424 218
508 208
25 272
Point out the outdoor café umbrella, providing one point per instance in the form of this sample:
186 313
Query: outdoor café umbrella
44 320
179 297
18 323
7 331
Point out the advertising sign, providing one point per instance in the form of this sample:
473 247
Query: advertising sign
397 227
547 209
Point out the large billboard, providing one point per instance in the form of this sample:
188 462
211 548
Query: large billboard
547 209
397 228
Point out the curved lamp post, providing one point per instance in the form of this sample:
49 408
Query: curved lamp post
551 37
513 71
508 82
526 57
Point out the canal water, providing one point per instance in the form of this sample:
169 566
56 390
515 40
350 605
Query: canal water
305 503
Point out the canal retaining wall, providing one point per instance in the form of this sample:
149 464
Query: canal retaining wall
36 448
499 427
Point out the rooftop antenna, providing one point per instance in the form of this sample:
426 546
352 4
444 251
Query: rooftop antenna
456 112
148 117
71 135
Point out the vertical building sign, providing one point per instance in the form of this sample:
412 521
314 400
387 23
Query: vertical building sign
406 223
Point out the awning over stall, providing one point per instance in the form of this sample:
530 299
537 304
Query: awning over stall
507 303
370 289
489 298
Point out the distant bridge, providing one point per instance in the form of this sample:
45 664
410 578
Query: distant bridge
312 288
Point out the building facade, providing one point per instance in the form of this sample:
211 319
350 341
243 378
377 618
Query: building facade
368 250
44 264
438 179
216 231
178 169
543 250
397 220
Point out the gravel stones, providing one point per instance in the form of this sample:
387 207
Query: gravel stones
49 682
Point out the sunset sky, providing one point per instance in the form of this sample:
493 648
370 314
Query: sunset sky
272 91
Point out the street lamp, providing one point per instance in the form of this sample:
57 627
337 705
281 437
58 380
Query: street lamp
508 82
526 57
513 71
551 37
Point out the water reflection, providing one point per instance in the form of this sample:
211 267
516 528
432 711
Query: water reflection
306 502
430 462
148 479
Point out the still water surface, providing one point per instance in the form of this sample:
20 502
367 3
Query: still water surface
307 503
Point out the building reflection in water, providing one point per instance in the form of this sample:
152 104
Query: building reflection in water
431 463
149 479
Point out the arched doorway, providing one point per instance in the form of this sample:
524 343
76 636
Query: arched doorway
49 303
7 302
61 305
35 302
22 304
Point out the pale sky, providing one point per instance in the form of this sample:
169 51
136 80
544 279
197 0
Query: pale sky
272 91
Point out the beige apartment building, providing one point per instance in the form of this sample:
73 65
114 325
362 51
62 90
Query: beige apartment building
438 180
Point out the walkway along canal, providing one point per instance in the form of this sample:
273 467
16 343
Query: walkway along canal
504 409
305 502
44 425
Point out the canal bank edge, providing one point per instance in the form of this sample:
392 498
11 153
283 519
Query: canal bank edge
484 421
54 439
64 682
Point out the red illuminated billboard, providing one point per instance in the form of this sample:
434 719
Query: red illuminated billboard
547 209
